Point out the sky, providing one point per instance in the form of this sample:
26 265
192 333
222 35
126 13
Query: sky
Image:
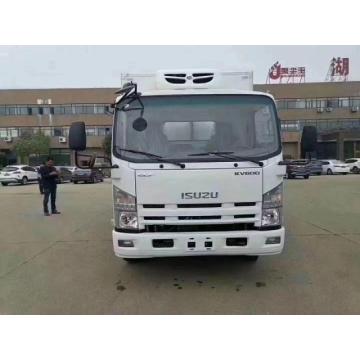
102 66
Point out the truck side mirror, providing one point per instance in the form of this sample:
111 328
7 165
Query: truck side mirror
77 136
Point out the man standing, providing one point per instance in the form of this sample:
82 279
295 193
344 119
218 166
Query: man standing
49 176
41 187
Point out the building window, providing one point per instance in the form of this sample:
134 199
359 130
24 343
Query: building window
321 103
355 102
281 104
22 110
332 103
90 131
26 131
311 104
58 110
99 109
3 133
46 131
35 110
344 102
11 110
88 109
58 132
296 104
46 110
13 132
2 110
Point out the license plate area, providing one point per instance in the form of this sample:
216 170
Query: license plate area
200 245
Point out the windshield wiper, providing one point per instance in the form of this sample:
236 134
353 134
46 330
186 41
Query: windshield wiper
228 155
152 156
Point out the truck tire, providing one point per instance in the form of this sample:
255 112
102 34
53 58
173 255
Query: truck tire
4 184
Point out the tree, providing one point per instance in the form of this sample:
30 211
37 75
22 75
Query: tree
27 145
106 145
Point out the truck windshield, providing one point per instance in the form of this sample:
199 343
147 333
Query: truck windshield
179 126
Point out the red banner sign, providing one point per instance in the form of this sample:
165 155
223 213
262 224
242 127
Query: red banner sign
277 72
340 66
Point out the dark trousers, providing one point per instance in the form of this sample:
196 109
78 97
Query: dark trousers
41 186
49 192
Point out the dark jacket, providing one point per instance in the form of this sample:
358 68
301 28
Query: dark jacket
47 179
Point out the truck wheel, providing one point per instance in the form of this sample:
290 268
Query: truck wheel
306 176
24 180
252 258
329 172
4 184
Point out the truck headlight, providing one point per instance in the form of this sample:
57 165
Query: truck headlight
272 207
125 213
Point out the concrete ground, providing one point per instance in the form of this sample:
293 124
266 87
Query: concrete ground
65 264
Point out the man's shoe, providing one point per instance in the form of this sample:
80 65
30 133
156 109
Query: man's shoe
46 214
56 212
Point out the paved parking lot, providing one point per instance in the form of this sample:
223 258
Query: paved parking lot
65 264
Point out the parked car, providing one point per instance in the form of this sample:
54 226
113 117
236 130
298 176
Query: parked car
65 174
354 165
331 167
70 168
19 174
87 176
315 167
298 168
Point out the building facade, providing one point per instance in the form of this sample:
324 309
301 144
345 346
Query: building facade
333 107
51 112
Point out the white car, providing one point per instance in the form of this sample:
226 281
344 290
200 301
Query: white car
331 167
19 174
354 164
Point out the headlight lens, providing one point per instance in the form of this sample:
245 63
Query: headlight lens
128 220
272 207
124 210
273 198
271 217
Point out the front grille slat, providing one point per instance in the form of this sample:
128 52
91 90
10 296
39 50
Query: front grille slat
202 227
199 217
244 216
245 204
190 206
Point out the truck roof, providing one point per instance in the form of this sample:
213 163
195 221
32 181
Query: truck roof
201 92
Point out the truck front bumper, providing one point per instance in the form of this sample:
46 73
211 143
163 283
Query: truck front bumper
257 243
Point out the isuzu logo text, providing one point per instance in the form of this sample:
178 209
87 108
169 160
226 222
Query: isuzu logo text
199 195
252 172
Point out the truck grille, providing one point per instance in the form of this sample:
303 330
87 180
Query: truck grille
199 217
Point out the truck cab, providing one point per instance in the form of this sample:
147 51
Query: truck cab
196 166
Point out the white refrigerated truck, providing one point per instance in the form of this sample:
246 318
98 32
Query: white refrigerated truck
196 166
